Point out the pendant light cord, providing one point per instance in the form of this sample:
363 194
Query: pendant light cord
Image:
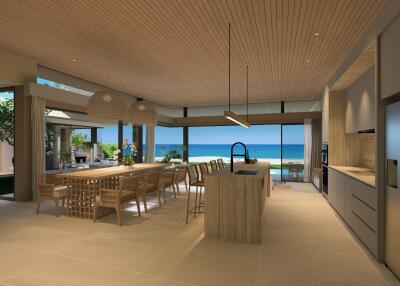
247 91
229 63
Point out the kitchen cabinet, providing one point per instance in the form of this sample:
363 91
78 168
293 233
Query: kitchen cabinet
355 202
390 60
360 103
336 190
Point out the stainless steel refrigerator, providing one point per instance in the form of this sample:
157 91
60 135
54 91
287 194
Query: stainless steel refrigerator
392 209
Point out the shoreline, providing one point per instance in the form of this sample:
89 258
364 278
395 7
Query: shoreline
227 160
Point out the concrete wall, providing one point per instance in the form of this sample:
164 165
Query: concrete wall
15 69
360 103
6 155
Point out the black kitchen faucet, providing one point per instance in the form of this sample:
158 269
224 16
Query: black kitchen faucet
244 155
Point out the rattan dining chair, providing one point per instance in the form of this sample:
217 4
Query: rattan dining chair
168 179
151 182
220 163
129 190
51 188
214 165
180 176
194 181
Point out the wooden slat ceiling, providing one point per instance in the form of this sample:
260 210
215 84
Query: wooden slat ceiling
174 52
361 65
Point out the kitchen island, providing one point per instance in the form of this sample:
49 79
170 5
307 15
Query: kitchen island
235 202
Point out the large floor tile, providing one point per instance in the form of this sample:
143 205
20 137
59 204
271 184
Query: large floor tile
275 276
312 241
117 251
50 239
14 258
58 270
344 267
201 270
140 279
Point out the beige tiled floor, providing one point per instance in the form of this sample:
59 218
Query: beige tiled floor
304 243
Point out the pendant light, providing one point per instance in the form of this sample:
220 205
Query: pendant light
142 112
228 114
107 106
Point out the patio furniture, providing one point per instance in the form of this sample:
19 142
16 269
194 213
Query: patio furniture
51 188
84 186
194 181
214 165
129 190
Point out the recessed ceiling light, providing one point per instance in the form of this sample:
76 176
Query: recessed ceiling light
74 60
124 80
316 34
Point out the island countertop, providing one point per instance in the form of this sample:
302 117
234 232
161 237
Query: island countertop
235 202
260 168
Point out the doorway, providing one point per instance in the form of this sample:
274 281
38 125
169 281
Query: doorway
292 152
7 142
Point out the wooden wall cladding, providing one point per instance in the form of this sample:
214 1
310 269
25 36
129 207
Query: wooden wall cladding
367 154
337 137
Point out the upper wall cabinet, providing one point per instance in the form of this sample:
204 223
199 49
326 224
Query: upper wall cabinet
390 60
360 103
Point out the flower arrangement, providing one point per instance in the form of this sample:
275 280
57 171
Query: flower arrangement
115 154
129 159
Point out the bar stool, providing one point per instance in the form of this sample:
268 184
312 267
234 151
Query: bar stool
194 181
220 163
203 171
214 165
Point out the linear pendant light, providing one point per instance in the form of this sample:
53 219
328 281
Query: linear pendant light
228 114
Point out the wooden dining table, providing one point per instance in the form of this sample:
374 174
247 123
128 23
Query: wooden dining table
83 186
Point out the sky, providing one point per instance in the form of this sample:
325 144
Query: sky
256 134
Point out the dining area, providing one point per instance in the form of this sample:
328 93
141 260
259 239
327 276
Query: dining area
94 193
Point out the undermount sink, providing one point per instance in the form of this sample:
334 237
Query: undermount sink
247 172
363 173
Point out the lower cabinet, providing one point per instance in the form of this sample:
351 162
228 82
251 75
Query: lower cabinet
355 202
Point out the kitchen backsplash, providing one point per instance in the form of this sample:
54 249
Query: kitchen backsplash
360 150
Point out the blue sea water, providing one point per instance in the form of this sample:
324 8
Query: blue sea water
292 151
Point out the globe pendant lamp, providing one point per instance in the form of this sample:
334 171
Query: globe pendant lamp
142 112
106 106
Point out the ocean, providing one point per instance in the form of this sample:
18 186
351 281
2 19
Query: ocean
260 151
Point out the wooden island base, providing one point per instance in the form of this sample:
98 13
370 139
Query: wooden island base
235 202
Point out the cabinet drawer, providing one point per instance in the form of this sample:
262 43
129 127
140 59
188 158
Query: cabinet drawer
364 212
365 193
366 235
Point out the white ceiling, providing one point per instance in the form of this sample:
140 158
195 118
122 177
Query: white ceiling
175 52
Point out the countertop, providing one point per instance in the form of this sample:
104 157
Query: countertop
366 179
261 168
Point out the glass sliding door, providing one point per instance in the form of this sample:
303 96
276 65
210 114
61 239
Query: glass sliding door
292 155
7 124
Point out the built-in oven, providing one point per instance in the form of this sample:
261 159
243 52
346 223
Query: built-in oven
324 154
325 180
324 165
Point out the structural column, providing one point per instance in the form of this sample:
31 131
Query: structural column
120 137
138 141
185 138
